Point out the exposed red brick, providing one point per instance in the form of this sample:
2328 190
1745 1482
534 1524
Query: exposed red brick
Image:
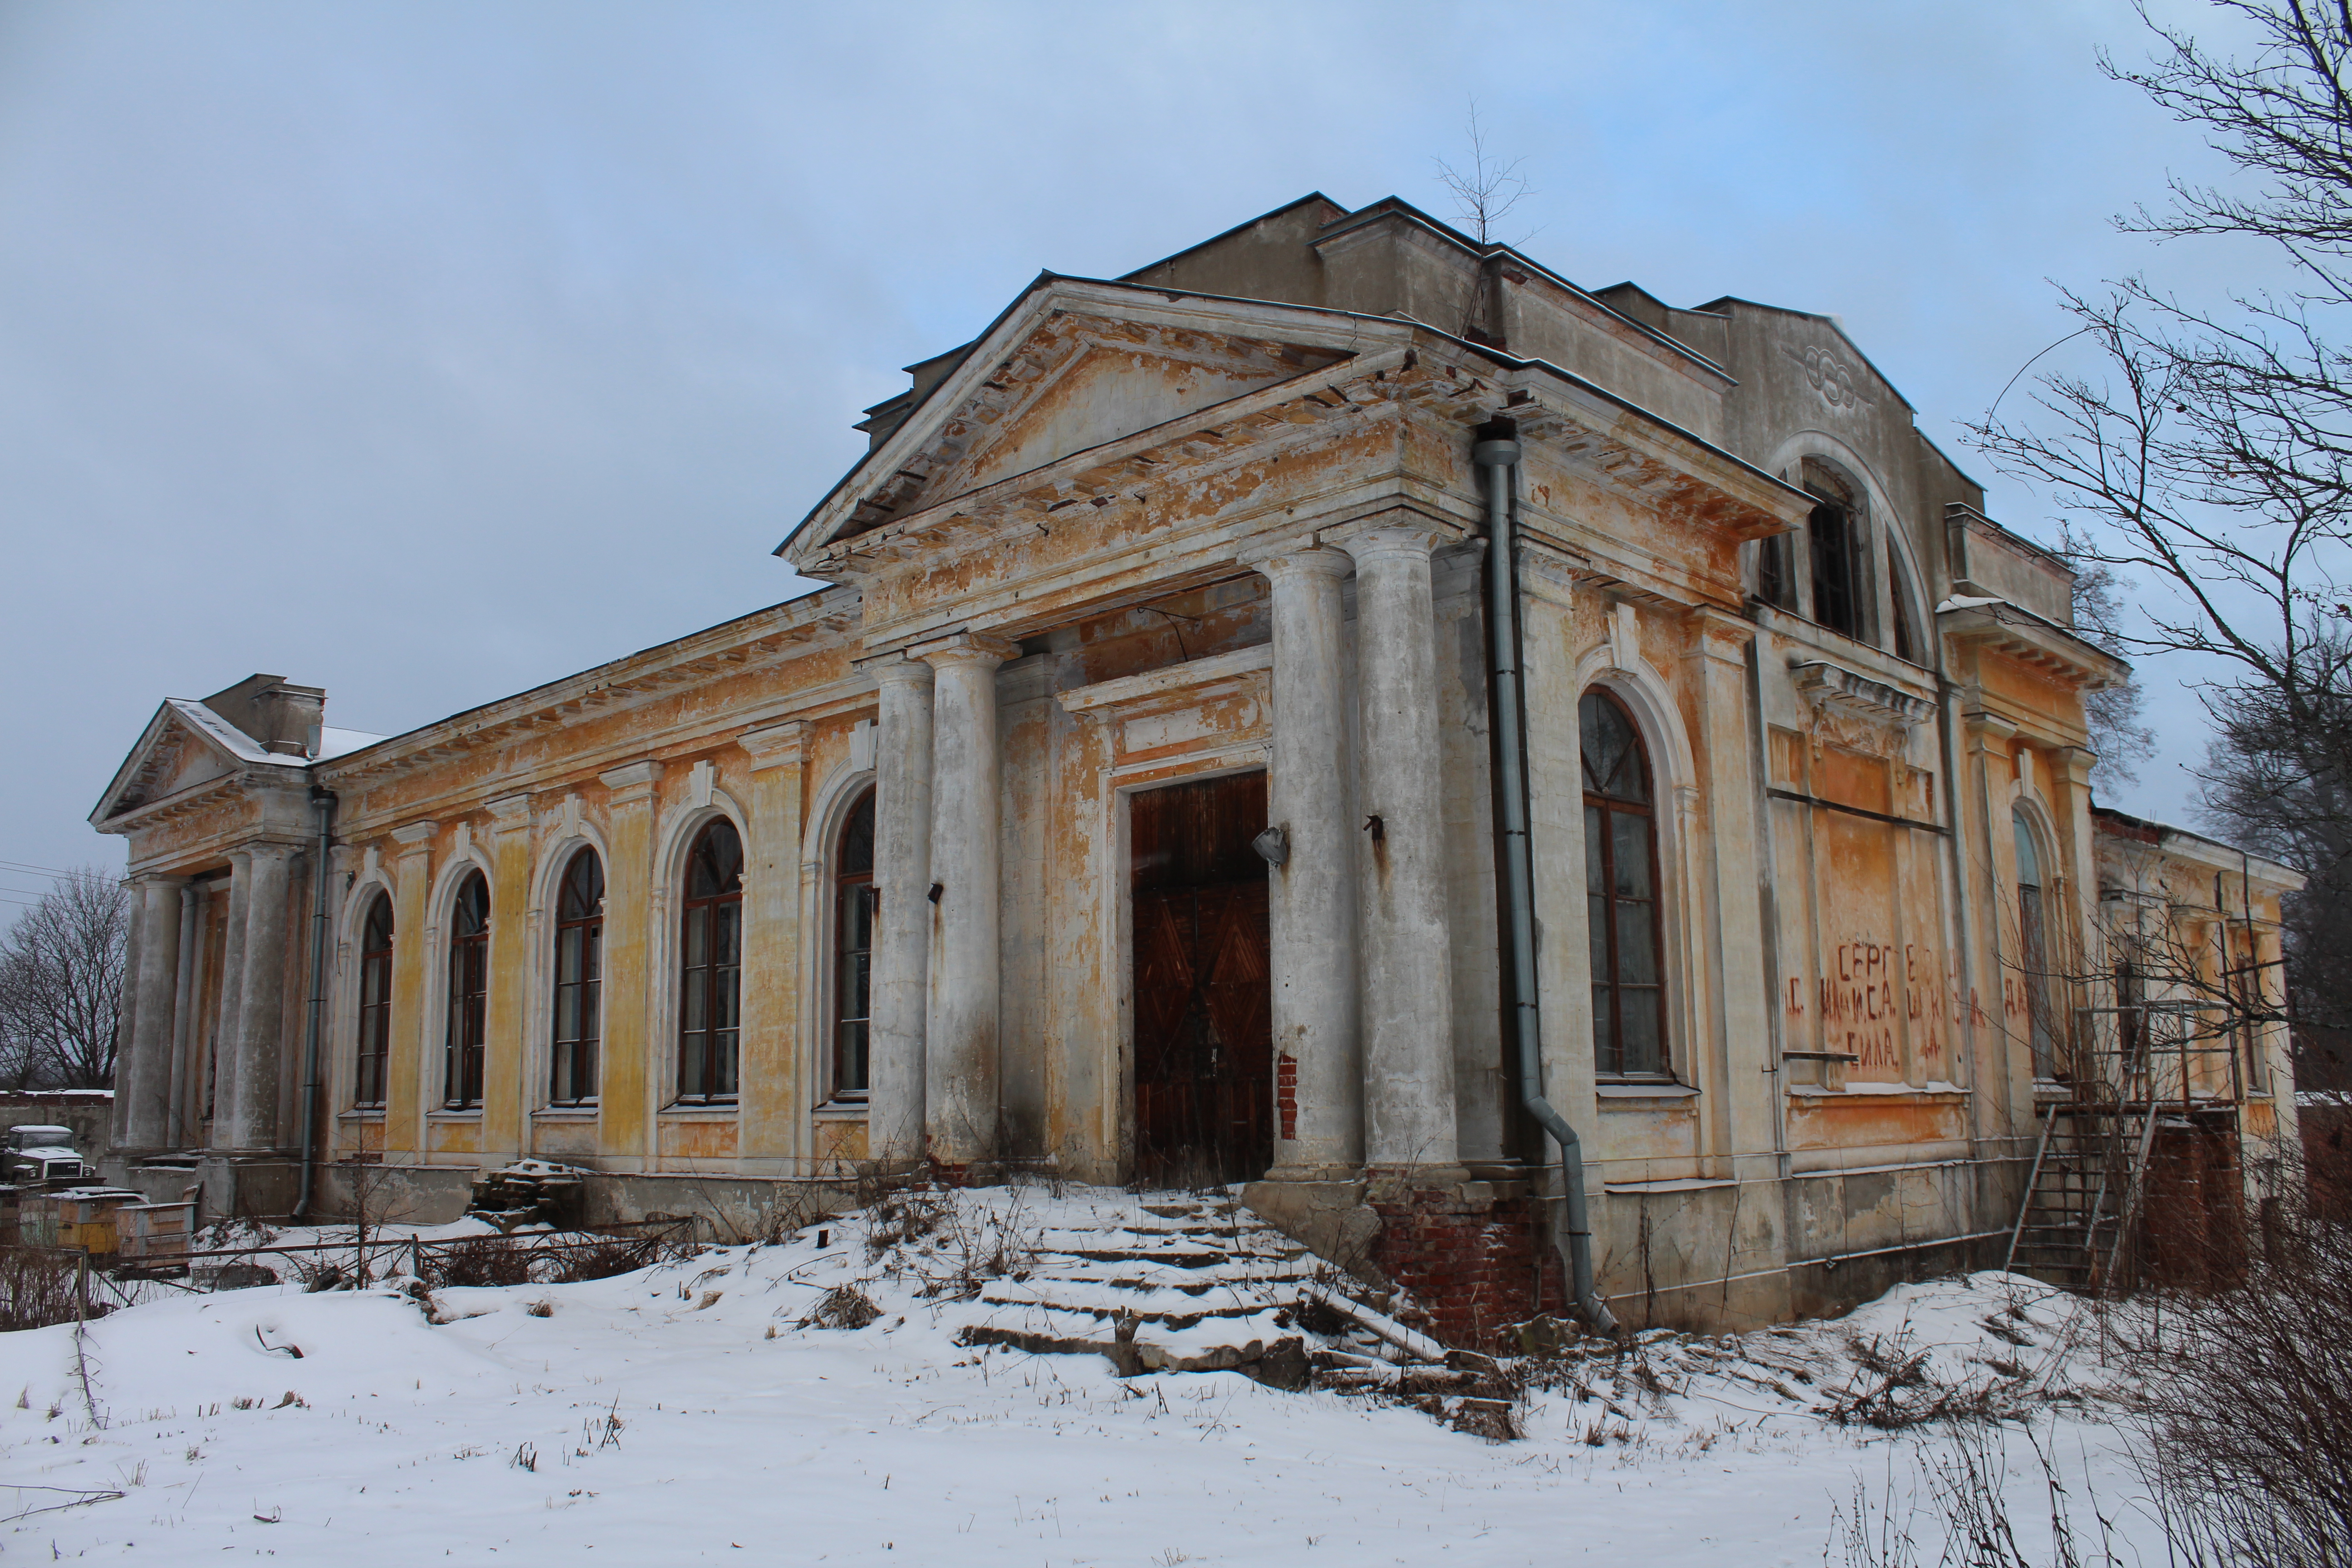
1474 1264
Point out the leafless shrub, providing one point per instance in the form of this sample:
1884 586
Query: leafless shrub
1970 1508
2247 1394
478 1260
843 1307
907 1215
38 1289
574 1262
1893 1389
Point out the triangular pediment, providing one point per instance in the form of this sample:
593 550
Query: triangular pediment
1110 380
1072 372
184 748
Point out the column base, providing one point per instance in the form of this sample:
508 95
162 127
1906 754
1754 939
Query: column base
1329 1216
1476 1257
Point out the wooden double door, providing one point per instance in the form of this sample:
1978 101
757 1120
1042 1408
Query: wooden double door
1203 996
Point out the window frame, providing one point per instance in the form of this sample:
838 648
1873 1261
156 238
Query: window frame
720 982
466 1022
375 975
585 1050
1609 1063
851 888
2033 933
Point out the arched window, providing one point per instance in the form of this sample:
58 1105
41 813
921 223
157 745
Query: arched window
375 1001
469 987
579 980
1909 647
710 1027
1841 543
1620 882
2033 946
853 947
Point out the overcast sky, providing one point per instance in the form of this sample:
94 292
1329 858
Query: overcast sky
425 353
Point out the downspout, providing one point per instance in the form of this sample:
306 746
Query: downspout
323 801
1497 452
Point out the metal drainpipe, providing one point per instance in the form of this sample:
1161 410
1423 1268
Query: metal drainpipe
323 801
1497 452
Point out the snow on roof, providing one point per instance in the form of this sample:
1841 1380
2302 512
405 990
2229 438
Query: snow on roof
334 743
246 748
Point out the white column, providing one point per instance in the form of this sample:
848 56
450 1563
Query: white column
126 1014
184 1015
902 937
251 1111
1318 1077
142 1077
1408 990
222 1091
960 1029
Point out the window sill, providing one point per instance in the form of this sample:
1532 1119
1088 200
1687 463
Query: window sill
1646 1091
1902 1093
587 1113
715 1109
840 1111
361 1113
455 1113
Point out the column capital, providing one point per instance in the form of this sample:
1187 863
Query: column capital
270 849
1393 535
1300 558
631 781
1989 732
509 813
1717 634
966 648
414 837
2074 764
157 879
895 668
776 746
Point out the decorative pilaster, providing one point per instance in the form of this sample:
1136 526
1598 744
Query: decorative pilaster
1408 1107
252 1110
403 1085
629 1068
896 1092
1741 1079
2003 1057
777 1080
1318 1075
506 1096
960 1026
146 1075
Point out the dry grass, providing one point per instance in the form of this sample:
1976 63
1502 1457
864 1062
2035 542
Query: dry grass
38 1288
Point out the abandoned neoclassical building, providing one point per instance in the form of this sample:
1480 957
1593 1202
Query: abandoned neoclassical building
1334 709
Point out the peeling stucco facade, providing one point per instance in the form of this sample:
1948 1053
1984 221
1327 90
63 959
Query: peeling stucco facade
1218 516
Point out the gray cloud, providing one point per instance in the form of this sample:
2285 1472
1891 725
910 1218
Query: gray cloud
426 352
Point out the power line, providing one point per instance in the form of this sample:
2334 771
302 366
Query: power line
24 866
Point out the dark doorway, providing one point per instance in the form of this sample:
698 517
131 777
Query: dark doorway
1203 1030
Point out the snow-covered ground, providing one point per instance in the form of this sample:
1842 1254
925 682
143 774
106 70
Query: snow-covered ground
681 1414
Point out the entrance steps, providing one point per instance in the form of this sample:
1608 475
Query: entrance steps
1167 1282
1177 1282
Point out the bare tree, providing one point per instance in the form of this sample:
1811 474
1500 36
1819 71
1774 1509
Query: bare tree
1487 187
61 984
2210 455
2119 739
